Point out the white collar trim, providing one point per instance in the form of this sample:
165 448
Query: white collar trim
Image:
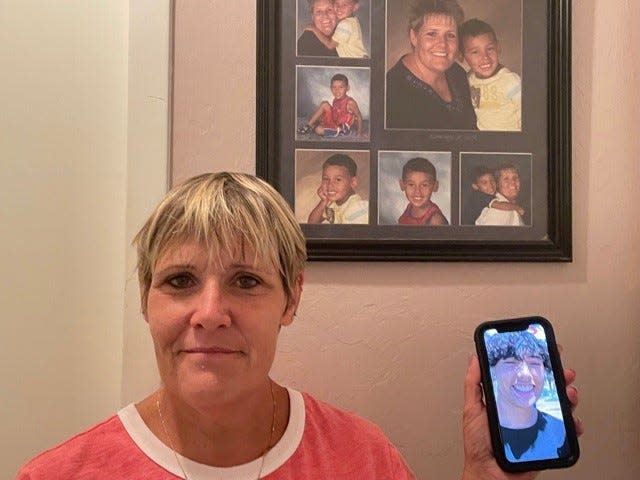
163 455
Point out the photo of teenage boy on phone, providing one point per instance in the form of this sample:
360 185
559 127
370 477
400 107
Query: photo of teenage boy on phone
519 364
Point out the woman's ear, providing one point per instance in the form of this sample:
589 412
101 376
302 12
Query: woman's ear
413 38
293 301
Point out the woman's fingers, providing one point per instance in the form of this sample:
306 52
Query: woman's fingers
573 395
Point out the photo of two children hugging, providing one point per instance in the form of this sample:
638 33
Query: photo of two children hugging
414 188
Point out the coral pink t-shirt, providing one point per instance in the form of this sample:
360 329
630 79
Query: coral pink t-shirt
320 442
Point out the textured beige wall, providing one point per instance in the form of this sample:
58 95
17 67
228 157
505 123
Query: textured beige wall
391 340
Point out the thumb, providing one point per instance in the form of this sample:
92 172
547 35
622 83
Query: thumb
472 388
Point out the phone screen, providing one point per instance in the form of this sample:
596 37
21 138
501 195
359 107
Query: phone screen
528 410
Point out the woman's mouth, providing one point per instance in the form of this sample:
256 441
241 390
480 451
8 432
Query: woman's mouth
210 350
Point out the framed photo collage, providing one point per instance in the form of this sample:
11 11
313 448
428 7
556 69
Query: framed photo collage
419 129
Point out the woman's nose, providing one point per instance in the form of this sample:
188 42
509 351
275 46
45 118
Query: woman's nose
440 39
211 308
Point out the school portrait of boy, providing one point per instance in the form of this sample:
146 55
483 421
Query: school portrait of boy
332 186
407 184
345 90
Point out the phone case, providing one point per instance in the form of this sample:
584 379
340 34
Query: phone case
521 371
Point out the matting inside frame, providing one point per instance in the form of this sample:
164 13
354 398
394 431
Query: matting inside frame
455 152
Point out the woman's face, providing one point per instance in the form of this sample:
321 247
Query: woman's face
324 17
435 44
214 321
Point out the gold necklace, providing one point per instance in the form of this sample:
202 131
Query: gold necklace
264 452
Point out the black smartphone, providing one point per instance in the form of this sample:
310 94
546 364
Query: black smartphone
529 412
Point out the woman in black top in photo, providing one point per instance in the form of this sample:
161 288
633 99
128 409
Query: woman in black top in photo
426 88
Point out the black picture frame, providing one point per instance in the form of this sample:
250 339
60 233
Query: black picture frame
545 137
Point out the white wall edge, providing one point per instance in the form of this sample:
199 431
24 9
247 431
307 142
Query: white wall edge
148 160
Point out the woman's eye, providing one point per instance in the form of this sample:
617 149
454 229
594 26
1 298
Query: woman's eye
180 281
247 281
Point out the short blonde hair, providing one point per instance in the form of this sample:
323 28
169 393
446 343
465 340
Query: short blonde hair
426 8
224 211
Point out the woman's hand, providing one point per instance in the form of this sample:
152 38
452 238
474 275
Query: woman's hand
479 462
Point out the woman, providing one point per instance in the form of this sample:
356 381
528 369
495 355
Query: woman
323 22
427 89
220 265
